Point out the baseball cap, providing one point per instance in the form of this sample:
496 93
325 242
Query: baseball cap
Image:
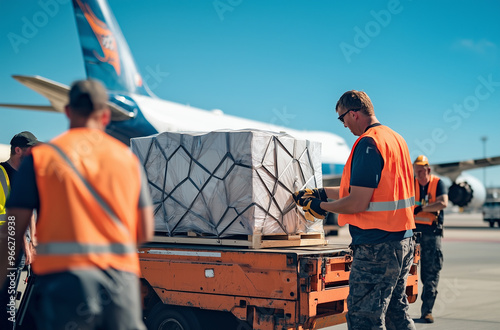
23 140
421 160
85 96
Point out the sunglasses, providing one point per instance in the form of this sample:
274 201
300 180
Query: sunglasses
341 117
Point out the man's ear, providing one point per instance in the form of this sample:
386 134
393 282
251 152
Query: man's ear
67 111
106 116
356 114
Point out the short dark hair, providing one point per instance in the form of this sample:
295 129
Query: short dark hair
87 96
355 100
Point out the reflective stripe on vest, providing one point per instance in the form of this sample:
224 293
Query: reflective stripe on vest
391 206
69 248
428 219
4 179
5 186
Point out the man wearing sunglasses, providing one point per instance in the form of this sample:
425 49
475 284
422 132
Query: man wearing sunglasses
376 198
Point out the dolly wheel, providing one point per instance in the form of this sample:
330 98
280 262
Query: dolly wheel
164 317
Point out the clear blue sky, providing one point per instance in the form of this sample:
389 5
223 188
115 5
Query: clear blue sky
431 68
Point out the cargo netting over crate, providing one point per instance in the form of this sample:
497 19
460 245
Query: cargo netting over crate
225 183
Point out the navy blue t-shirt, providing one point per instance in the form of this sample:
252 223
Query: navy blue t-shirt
24 192
366 169
10 171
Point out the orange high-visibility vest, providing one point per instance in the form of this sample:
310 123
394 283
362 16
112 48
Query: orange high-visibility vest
391 205
426 218
73 230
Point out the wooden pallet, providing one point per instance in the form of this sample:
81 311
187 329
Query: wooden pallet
256 241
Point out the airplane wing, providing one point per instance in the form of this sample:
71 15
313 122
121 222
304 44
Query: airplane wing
57 94
29 107
453 170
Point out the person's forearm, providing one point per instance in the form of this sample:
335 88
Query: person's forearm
440 204
434 207
357 201
347 205
12 237
32 228
332 192
145 230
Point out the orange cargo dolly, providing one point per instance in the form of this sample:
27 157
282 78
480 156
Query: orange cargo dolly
195 287
285 288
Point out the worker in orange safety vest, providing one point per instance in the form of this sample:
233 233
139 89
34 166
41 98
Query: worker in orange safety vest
94 208
430 199
376 198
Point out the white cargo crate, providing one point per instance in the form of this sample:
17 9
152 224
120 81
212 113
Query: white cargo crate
226 183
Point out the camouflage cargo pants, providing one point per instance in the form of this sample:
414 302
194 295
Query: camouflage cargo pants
431 261
377 285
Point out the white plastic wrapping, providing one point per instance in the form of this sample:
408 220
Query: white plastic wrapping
227 183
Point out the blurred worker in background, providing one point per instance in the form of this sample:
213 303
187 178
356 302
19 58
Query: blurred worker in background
431 198
20 146
376 198
94 209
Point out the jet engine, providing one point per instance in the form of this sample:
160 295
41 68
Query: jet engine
467 191
460 194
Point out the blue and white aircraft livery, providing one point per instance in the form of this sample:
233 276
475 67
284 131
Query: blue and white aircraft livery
135 110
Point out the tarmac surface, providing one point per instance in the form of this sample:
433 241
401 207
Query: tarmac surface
469 287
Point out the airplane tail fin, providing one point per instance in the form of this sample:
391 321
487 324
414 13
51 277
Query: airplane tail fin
105 52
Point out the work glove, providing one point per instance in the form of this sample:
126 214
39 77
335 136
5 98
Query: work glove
417 209
318 193
311 205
